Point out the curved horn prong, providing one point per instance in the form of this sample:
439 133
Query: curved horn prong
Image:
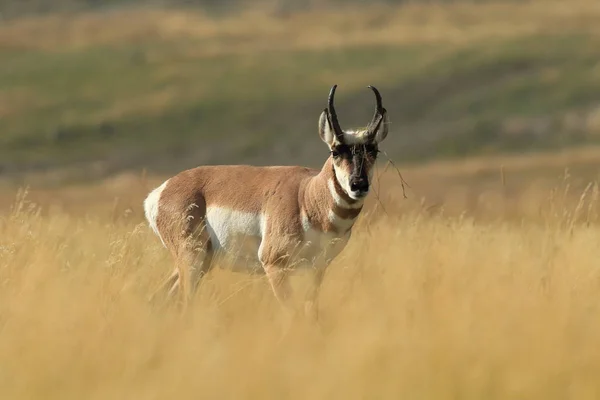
335 125
377 97
379 112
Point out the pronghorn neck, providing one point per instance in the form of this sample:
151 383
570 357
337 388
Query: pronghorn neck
325 206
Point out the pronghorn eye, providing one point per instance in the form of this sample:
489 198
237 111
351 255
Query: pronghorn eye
372 150
340 151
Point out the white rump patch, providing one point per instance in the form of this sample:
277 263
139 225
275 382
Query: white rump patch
151 208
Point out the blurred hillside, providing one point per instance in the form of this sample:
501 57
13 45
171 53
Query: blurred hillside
16 8
88 88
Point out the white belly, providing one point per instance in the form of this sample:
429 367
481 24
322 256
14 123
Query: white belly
235 236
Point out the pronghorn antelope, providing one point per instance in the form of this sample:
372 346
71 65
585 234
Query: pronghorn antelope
268 219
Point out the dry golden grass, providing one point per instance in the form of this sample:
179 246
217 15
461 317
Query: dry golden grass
258 29
504 186
420 305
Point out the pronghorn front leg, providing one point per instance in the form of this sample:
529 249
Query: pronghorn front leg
279 281
311 308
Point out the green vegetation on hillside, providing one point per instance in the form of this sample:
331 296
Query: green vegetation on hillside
132 101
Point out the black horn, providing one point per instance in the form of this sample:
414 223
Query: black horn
379 112
333 119
377 97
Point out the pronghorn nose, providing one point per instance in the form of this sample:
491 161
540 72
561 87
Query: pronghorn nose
359 185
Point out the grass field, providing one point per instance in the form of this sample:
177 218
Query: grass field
481 284
491 295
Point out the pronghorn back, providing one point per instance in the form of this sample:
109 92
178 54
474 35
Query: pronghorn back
235 202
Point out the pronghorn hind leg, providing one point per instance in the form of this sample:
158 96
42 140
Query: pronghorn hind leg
192 252
194 261
200 270
165 284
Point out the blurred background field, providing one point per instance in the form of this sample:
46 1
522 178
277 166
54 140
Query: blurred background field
89 89
481 283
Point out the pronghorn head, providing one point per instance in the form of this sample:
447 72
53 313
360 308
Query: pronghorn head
353 152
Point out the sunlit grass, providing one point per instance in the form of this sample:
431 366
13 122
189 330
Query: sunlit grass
420 305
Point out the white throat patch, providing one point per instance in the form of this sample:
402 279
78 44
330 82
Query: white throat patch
344 180
338 199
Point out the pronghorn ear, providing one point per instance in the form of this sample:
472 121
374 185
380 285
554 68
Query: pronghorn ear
382 129
325 131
